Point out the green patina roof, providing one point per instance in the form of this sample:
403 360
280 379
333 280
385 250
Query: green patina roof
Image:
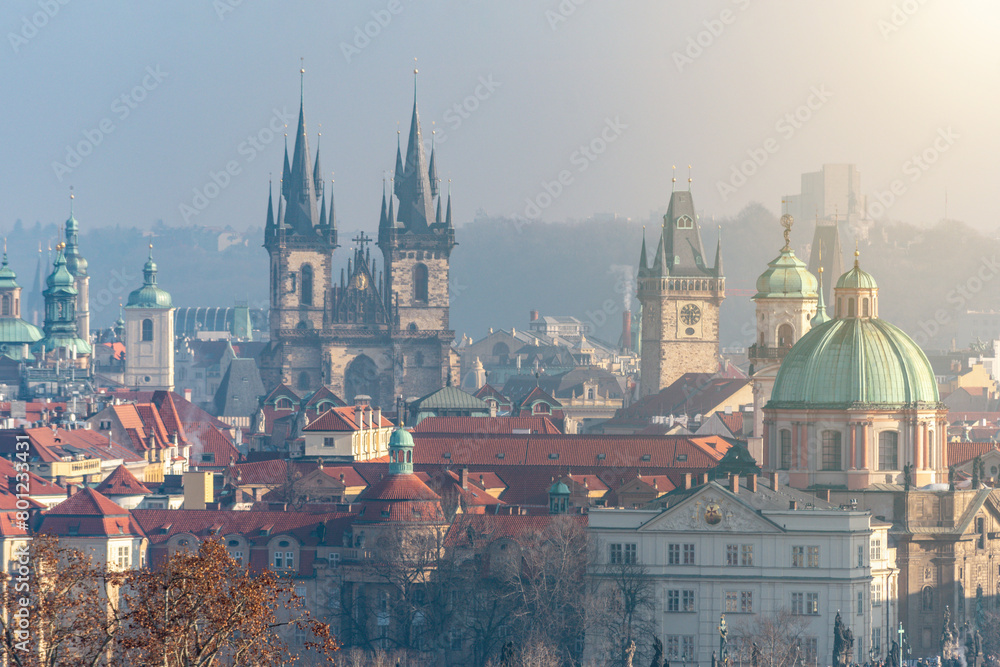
69 342
61 279
400 438
14 330
559 489
857 279
149 295
786 277
450 398
8 279
854 360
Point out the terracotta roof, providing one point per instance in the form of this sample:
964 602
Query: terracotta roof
186 411
733 421
473 530
50 446
487 425
161 525
207 439
399 487
488 391
324 394
280 391
699 452
344 419
691 394
538 394
121 482
961 452
88 502
88 513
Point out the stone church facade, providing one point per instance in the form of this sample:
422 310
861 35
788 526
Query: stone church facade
380 331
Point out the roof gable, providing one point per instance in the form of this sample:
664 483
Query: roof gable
714 509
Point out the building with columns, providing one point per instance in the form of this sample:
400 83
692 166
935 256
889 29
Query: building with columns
680 296
855 401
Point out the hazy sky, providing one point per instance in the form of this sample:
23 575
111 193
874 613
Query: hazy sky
643 84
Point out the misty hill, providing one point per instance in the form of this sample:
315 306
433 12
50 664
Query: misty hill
504 268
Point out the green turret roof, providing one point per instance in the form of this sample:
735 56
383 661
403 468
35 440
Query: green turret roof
786 277
149 295
8 279
856 278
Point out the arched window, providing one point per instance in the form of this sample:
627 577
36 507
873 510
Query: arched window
785 445
864 307
303 380
501 352
831 450
420 282
785 335
418 358
685 222
850 307
888 450
361 378
840 307
147 330
5 305
927 598
307 284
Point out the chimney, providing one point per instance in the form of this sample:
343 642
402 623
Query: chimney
703 478
358 416
465 478
752 483
187 394
533 315
792 505
734 483
774 480
687 481
70 490
368 417
377 417
627 331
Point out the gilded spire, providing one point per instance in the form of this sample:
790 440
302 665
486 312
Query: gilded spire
643 262
787 221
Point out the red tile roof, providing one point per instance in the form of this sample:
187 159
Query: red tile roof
487 425
206 439
691 394
538 394
53 445
961 452
399 487
473 530
121 482
161 525
88 513
87 502
344 419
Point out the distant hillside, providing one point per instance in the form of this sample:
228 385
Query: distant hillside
502 269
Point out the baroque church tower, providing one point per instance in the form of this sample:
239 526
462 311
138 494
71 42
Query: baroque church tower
380 333
680 296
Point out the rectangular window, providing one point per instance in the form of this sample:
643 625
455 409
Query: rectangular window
798 556
798 604
615 554
687 600
786 448
329 442
631 554
876 550
861 602
673 646
732 602
680 601
877 640
673 554
813 554
746 602
279 560
831 450
732 554
124 558
687 646
876 594
237 556
689 554
746 555
812 604
809 646
289 559
861 555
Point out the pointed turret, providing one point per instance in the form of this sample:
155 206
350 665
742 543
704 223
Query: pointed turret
447 218
820 317
400 175
718 256
331 219
432 172
682 238
643 262
269 226
286 172
317 170
392 212
322 209
437 216
383 220
414 192
280 222
301 216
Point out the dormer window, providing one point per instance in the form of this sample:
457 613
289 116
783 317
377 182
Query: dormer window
685 222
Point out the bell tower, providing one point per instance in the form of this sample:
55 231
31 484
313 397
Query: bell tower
680 296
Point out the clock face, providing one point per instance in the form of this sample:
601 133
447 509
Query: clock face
690 314
360 281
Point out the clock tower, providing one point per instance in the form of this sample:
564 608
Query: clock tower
680 296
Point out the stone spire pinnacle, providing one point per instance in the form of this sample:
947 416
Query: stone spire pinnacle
383 220
286 172
302 215
281 208
399 175
414 192
432 171
820 317
322 206
718 255
643 262
317 170
269 225
332 218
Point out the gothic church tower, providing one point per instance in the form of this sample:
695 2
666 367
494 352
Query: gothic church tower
680 296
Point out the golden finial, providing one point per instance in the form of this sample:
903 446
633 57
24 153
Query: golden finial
821 258
689 178
787 221
60 247
302 65
673 177
857 253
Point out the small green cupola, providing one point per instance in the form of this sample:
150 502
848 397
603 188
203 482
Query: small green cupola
558 497
400 452
149 295
60 310
856 293
75 262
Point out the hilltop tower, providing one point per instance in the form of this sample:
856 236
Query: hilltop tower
680 296
149 334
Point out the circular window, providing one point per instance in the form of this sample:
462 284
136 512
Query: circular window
283 543
146 379
689 331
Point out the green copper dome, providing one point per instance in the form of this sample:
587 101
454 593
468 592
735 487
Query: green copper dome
61 278
854 360
400 438
149 295
559 489
857 279
8 279
786 277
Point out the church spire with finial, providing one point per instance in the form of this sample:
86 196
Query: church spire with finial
718 255
447 218
301 214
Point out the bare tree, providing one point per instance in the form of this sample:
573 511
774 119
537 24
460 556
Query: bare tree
777 638
626 616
